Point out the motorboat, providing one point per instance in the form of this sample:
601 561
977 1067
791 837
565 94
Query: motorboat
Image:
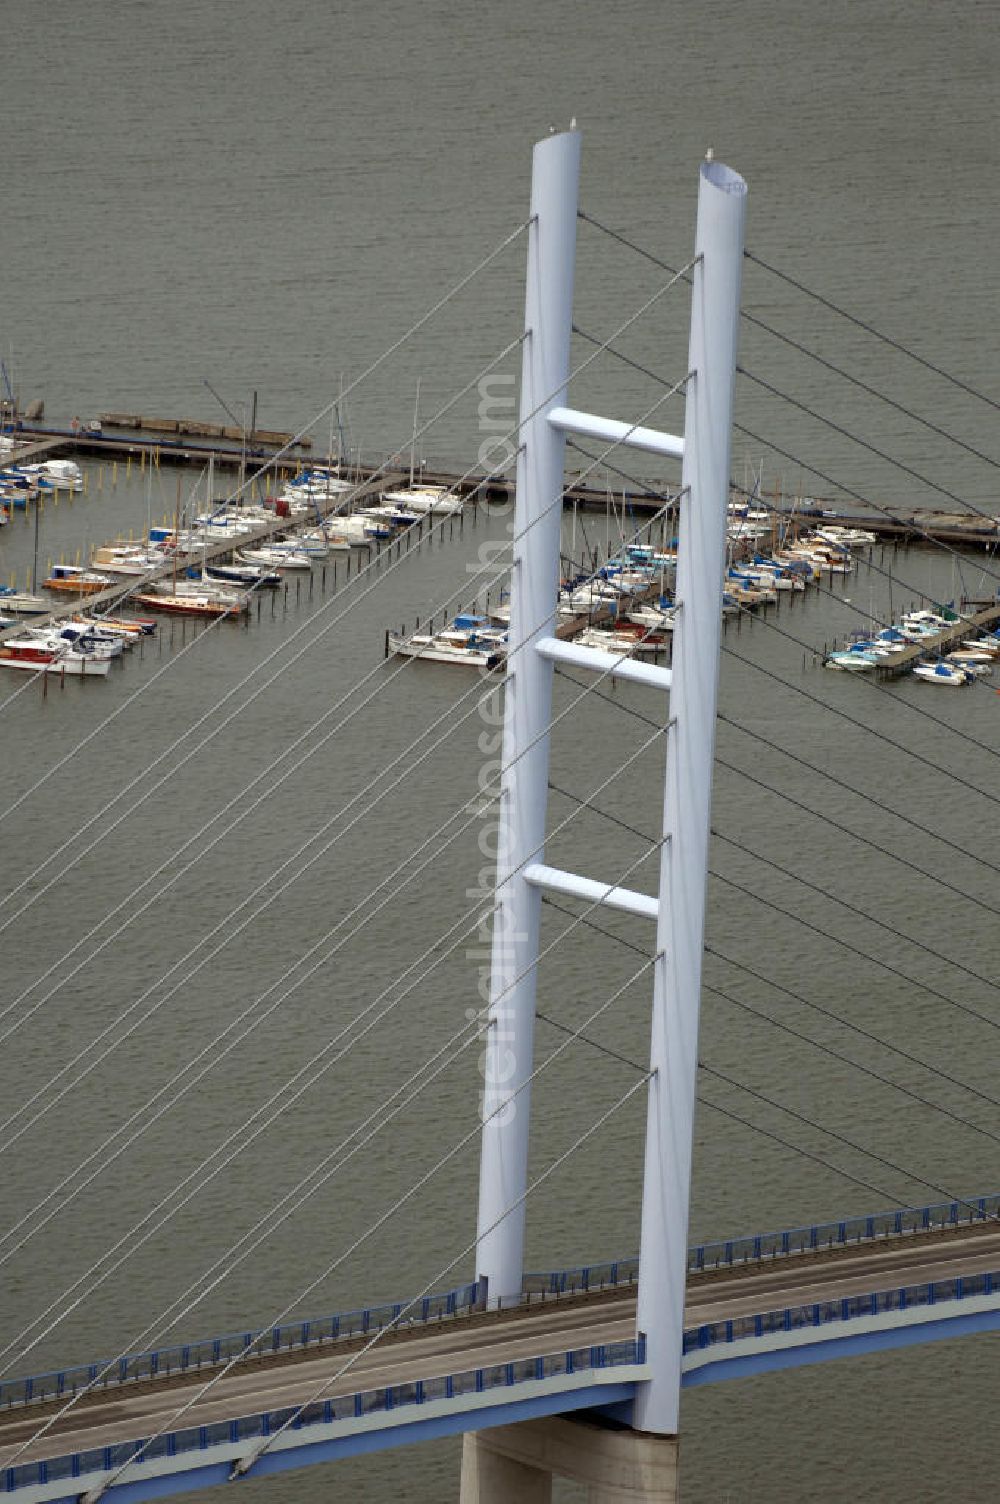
22 602
852 660
659 615
82 638
622 640
46 655
425 499
472 651
66 474
76 580
942 673
129 559
315 543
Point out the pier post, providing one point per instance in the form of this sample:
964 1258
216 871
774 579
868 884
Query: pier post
715 309
527 708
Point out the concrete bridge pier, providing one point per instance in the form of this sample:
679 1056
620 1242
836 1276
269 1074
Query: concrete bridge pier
516 1464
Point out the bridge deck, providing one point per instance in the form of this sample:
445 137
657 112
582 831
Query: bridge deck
485 1339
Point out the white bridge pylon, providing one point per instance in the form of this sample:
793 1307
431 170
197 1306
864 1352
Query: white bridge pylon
679 909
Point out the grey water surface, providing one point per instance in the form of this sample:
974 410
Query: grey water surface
265 198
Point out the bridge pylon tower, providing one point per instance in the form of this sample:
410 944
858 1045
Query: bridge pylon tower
691 681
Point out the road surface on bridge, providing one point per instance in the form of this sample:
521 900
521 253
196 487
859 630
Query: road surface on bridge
456 1345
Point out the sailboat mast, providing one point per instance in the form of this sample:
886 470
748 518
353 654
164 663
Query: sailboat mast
413 441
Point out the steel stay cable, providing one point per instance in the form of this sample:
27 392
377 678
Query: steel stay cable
391 568
239 906
386 1106
243 1465
373 564
887 1164
819 298
870 799
855 950
595 1044
853 909
224 923
867 445
646 371
645 836
324 412
853 720
476 916
362 904
786 1028
872 391
148 1122
914 709
831 778
869 616
412 763
750 1091
379 360
475 1130
903 861
908 523
846 1059
870 329
797 1149
786 872
776 512
511 434
808 924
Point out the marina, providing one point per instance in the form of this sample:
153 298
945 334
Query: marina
250 903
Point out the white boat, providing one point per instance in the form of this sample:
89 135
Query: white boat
437 648
22 602
627 642
128 559
941 673
852 660
64 473
275 556
851 537
315 543
425 499
660 618
971 655
34 655
82 639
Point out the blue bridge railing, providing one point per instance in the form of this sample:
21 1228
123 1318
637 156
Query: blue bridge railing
794 1318
724 1253
847 1230
501 1376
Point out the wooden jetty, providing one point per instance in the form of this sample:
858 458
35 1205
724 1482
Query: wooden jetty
34 450
960 529
115 594
276 438
900 663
